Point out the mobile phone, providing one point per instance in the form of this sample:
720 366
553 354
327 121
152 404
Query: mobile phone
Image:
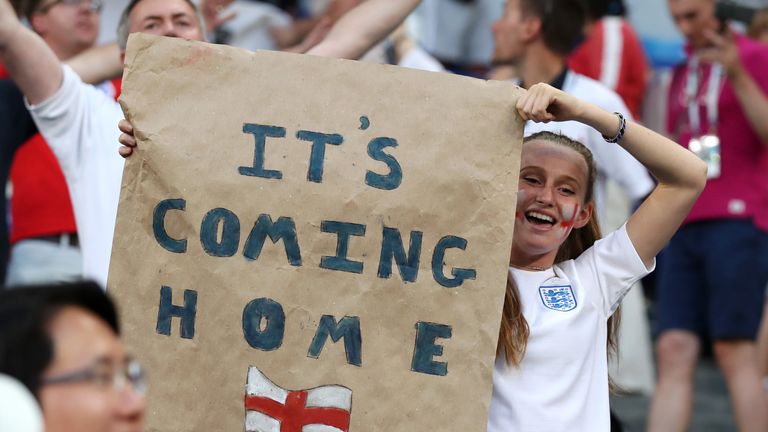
728 10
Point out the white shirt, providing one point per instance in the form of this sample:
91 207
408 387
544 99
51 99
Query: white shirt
612 161
562 382
79 122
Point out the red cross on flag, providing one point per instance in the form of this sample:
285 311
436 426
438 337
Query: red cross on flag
271 408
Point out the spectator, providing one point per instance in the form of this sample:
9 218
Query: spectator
612 53
457 32
716 266
538 46
62 343
43 230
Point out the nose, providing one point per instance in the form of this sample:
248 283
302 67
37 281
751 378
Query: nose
132 404
544 195
169 30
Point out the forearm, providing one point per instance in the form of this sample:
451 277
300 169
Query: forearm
363 27
30 63
753 102
667 161
98 64
681 176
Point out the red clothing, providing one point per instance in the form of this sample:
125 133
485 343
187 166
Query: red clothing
613 55
741 191
3 72
40 205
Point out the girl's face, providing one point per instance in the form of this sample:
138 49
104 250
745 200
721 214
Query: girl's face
550 203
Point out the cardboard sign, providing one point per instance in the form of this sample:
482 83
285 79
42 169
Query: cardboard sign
311 244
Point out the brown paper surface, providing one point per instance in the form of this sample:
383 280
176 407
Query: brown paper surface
458 147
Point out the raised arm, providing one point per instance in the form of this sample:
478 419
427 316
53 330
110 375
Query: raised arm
363 27
29 61
681 175
98 64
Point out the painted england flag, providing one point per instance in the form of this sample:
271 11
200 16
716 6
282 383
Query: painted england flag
271 408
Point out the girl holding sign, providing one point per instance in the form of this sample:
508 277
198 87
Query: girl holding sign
564 284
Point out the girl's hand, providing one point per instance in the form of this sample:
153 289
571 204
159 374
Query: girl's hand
544 103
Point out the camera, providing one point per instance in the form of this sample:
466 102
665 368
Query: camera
729 10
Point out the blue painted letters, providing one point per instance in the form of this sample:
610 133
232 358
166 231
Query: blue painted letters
376 152
168 310
438 257
158 225
270 336
348 328
392 248
319 140
426 349
260 133
284 229
343 230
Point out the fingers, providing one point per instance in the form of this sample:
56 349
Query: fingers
535 103
715 38
125 127
125 151
127 139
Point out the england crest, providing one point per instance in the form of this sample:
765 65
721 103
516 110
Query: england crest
271 408
558 297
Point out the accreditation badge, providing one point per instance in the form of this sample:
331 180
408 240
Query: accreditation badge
707 148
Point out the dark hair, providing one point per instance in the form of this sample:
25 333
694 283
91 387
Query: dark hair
26 348
562 22
122 25
597 9
26 8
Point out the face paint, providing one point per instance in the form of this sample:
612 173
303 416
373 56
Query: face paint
569 212
520 201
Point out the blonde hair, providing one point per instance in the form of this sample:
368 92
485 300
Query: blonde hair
514 331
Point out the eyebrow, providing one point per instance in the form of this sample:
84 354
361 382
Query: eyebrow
177 15
539 170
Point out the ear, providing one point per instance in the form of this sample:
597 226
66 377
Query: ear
585 214
531 27
38 23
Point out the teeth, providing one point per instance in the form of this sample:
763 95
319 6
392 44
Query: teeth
540 216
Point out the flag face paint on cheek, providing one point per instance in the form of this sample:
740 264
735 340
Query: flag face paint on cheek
521 194
569 212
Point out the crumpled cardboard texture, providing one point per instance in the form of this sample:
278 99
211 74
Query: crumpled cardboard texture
458 146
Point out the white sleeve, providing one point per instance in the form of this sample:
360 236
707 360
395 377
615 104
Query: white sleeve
66 119
609 269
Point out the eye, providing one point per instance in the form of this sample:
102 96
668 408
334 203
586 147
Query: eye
567 191
531 180
150 26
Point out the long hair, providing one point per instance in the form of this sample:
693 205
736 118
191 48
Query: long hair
514 331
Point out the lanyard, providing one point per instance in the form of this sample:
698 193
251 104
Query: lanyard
711 99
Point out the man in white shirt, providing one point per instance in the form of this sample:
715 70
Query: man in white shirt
537 42
64 107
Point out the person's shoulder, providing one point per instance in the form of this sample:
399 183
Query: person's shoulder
593 91
752 51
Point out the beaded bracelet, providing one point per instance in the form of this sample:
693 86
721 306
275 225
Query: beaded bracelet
622 128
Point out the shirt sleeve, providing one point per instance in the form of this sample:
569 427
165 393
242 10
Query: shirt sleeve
609 269
66 118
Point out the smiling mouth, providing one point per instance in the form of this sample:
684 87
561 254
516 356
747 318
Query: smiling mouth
537 218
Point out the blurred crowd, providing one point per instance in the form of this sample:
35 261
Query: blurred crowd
707 294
